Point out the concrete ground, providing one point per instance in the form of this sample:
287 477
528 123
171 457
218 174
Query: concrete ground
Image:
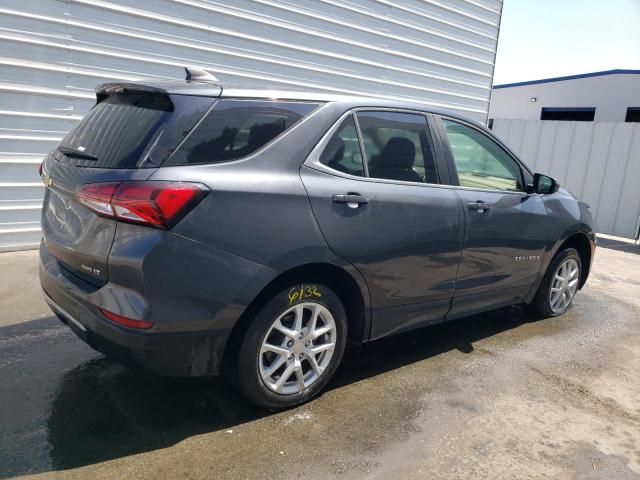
495 396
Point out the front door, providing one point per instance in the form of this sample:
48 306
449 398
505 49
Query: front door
384 213
505 233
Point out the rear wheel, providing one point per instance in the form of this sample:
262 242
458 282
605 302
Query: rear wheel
293 347
560 284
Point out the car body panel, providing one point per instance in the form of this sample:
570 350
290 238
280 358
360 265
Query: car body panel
503 248
406 243
566 218
504 245
181 353
75 235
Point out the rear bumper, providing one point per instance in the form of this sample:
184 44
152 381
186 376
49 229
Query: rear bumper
191 353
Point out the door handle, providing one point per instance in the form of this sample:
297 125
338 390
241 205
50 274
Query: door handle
479 207
353 200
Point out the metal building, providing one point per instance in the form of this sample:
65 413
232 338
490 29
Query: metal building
599 162
609 96
584 130
54 52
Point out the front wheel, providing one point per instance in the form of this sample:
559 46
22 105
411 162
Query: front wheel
293 347
560 284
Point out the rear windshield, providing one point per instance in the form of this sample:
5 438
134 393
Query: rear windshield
132 130
237 128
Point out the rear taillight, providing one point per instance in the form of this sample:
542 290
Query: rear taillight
155 204
126 322
97 197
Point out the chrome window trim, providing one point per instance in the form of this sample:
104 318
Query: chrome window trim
363 152
490 190
321 106
493 138
313 159
507 152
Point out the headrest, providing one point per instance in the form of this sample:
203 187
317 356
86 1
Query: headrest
399 152
333 152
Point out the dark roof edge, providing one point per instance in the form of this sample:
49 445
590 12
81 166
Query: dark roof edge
568 77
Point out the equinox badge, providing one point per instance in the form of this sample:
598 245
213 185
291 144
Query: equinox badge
527 258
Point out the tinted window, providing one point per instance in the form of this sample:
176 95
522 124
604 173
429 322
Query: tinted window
342 152
481 163
397 147
132 130
568 114
633 114
236 128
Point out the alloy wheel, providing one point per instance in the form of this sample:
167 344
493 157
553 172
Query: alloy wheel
297 348
564 285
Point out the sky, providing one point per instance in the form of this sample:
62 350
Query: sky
551 38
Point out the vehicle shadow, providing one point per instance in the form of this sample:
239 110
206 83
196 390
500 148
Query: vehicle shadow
102 411
618 245
394 352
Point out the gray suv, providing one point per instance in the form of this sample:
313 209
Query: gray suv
190 229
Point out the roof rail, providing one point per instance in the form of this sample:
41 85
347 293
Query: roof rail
195 74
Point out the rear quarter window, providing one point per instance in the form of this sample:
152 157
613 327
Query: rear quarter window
342 152
236 128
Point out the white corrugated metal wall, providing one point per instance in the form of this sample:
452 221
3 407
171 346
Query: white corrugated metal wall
54 52
597 161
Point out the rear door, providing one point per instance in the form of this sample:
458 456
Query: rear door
124 137
505 227
373 187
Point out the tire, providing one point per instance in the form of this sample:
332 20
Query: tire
544 303
270 350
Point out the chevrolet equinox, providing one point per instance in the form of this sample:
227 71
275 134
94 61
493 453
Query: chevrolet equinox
191 229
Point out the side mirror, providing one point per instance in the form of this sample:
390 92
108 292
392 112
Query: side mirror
544 184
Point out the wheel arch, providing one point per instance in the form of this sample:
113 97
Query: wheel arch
351 291
579 241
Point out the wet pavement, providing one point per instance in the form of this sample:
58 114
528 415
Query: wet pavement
499 395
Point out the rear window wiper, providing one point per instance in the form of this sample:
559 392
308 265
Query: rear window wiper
74 152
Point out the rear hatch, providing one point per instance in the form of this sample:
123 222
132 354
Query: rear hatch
127 135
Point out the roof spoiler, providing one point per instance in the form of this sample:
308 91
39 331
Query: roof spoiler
107 89
195 78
